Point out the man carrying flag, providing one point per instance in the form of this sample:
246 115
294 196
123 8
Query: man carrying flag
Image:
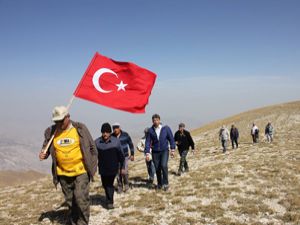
74 162
119 85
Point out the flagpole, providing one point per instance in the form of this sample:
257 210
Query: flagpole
45 150
70 102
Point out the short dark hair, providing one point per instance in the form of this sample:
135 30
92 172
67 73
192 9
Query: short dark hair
155 116
106 128
181 125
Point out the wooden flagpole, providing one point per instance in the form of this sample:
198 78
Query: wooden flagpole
45 150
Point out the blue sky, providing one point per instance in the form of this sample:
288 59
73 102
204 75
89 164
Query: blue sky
195 47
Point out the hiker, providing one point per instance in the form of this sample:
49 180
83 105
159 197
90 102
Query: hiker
224 137
110 161
269 132
255 133
234 136
158 138
126 142
184 141
74 162
149 164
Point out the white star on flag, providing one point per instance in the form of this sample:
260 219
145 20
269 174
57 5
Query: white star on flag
121 86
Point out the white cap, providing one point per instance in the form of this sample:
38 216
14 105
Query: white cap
116 124
59 113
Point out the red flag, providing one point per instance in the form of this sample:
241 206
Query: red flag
119 85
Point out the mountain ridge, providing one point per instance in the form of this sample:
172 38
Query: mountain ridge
254 184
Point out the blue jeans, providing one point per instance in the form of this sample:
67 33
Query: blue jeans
160 160
150 169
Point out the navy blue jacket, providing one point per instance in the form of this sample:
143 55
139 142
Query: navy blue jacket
110 156
125 142
159 144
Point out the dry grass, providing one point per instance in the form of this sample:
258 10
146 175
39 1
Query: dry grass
255 184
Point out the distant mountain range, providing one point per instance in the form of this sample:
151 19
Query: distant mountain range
20 156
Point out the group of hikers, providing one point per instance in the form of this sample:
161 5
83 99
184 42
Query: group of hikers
76 156
225 136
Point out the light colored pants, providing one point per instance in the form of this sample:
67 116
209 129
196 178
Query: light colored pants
269 137
123 179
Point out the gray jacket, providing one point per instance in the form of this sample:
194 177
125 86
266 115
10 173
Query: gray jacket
224 134
87 146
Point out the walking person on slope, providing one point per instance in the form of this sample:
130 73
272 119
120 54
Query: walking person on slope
74 162
234 136
269 132
255 133
224 137
159 137
125 140
110 163
149 164
184 141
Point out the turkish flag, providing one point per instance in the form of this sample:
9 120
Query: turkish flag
119 85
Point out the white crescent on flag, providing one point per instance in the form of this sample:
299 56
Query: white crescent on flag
96 78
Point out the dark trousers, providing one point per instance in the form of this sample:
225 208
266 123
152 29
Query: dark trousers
108 185
224 145
76 192
255 138
160 160
183 163
234 141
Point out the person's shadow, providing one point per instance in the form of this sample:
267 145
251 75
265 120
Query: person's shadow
98 200
61 214
139 182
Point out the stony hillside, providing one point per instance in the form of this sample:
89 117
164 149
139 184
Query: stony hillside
255 184
10 178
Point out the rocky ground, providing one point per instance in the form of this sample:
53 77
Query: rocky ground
254 184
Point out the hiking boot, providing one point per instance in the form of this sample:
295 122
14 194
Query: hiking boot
110 206
158 187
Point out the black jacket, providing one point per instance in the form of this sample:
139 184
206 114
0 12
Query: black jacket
184 141
234 133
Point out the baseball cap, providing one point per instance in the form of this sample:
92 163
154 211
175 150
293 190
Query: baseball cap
59 113
116 125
